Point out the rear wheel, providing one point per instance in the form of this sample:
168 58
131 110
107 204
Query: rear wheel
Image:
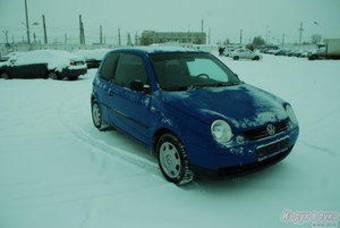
5 75
97 117
256 58
173 160
73 78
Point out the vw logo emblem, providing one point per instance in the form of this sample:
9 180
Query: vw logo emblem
271 129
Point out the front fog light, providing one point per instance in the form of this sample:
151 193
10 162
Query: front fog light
221 131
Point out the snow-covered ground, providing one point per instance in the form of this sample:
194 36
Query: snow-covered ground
57 170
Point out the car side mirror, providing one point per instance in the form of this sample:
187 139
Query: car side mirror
139 86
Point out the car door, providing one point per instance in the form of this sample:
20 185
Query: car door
243 54
102 85
34 70
131 109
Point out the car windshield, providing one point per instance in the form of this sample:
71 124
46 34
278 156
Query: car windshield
182 71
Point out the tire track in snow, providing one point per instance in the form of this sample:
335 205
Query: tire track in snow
99 144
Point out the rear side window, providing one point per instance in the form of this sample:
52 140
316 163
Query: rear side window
130 68
109 66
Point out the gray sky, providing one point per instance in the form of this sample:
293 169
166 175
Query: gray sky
225 17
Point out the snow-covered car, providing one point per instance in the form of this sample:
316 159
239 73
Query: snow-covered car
244 54
53 64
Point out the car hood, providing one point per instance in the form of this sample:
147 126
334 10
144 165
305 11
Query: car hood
243 106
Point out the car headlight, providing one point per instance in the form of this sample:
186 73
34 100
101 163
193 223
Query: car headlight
291 114
221 131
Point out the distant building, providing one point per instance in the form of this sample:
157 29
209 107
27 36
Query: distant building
152 37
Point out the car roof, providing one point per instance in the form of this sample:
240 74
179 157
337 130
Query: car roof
158 50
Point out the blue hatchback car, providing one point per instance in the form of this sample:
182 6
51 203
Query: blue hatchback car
192 111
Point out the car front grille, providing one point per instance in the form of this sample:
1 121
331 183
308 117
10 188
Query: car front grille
261 132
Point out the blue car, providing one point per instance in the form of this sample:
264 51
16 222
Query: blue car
192 111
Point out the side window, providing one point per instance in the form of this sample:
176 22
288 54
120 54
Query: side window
109 66
130 68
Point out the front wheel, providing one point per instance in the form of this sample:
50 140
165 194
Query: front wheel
173 160
236 58
256 58
54 75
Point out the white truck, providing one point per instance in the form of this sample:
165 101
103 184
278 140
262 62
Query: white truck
331 51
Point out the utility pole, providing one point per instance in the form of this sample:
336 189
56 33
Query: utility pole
27 24
119 39
202 26
81 31
136 39
44 27
100 34
129 42
6 35
209 36
65 37
283 39
241 36
300 32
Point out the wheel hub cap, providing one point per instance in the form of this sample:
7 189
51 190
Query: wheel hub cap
170 159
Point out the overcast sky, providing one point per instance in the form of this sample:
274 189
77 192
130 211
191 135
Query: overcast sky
224 17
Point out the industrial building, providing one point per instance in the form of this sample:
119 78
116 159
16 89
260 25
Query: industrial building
151 37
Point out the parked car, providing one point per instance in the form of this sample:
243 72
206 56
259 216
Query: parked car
281 52
93 58
192 111
244 54
42 64
228 51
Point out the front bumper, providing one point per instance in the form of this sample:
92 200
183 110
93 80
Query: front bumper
242 157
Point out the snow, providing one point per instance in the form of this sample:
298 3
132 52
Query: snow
57 170
97 54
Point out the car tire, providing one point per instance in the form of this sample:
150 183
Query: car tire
54 75
73 78
173 160
97 117
5 75
236 58
256 58
313 57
